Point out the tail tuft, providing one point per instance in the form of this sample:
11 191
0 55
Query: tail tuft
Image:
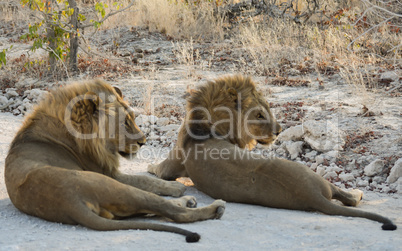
193 237
388 226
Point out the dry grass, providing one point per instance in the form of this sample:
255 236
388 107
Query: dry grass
339 40
176 19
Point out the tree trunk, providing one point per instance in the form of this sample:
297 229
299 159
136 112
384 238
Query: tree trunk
73 36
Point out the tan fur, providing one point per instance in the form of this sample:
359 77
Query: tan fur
238 175
54 172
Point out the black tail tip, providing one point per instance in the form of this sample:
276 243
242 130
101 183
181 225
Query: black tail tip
389 226
193 237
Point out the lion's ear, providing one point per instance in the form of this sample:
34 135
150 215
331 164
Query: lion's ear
232 94
91 102
117 89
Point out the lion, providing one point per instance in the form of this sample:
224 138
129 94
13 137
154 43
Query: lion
225 119
62 166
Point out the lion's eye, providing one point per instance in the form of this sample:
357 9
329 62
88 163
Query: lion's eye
126 123
260 116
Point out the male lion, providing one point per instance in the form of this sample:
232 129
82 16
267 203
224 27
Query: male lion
63 164
227 115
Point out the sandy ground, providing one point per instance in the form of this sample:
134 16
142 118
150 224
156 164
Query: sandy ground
242 227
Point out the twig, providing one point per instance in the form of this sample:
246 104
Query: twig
109 15
54 53
375 26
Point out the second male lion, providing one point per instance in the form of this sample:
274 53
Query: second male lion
228 115
63 164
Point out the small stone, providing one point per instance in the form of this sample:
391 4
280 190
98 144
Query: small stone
10 93
294 133
170 134
379 179
167 128
320 170
141 120
294 148
162 121
314 166
323 136
330 175
346 177
152 119
396 172
16 112
319 159
362 183
3 100
389 75
334 168
374 168
311 154
332 154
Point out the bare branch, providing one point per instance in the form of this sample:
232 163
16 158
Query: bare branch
112 13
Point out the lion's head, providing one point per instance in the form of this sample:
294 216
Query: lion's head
230 108
94 118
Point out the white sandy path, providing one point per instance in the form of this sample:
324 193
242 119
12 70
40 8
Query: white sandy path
243 227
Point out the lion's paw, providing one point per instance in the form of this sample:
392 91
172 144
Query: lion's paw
357 195
191 202
176 188
221 205
186 201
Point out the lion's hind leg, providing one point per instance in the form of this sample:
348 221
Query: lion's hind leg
348 198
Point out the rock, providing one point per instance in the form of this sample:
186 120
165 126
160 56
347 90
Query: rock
334 168
294 148
26 83
379 179
294 133
396 172
389 75
314 166
16 112
362 183
168 128
321 170
162 121
170 134
3 100
153 136
142 120
152 119
374 168
323 136
332 154
311 154
319 159
330 175
10 93
346 177
35 94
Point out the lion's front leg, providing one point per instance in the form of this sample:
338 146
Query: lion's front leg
171 168
152 184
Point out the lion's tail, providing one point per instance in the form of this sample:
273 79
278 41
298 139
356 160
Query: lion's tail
91 220
330 208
